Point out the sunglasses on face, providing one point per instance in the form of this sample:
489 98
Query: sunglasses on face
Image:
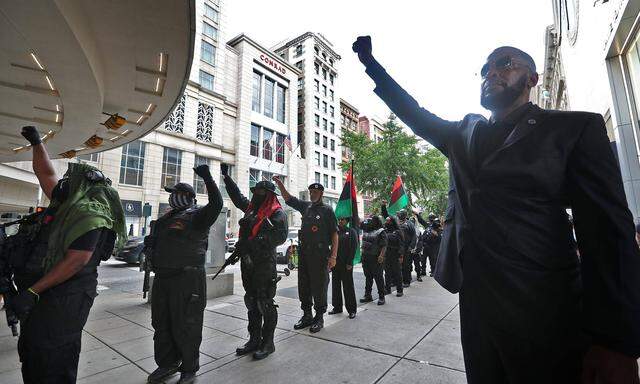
501 65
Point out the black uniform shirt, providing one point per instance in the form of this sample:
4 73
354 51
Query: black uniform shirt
492 136
347 245
319 221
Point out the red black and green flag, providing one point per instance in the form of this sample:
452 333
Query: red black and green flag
399 197
348 206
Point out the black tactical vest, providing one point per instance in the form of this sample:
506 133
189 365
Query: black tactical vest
371 242
394 242
314 233
178 242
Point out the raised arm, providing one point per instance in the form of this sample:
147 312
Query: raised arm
295 203
383 208
237 198
208 214
42 165
610 260
425 124
421 220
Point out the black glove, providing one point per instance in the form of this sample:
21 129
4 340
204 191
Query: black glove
224 169
362 46
23 303
31 134
203 171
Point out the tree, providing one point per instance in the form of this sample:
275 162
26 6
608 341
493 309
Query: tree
424 174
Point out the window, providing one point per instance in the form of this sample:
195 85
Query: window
281 103
324 106
299 65
324 90
266 175
324 74
325 161
343 120
333 128
317 138
331 62
333 145
175 122
317 177
324 141
93 157
198 183
333 163
209 30
317 121
223 191
331 94
204 126
206 80
333 182
324 124
316 102
324 56
317 157
269 85
208 53
255 140
280 148
331 77
300 83
326 180
316 66
267 148
210 12
254 177
332 111
132 163
171 164
316 84
257 92
299 50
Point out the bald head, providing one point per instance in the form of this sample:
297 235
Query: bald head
513 52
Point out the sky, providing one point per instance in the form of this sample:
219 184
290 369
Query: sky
434 49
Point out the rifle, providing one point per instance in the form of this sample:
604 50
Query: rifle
10 247
147 263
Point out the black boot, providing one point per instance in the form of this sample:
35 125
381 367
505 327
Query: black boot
335 311
162 373
267 347
318 324
187 378
381 300
305 321
366 299
419 278
255 329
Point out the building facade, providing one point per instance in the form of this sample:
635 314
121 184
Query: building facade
318 133
348 121
597 43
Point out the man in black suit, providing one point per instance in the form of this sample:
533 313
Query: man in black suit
531 311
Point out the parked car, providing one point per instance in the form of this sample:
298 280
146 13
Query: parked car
231 244
282 250
131 251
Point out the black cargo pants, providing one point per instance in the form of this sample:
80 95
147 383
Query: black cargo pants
313 278
177 311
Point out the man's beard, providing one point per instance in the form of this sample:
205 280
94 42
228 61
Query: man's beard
505 98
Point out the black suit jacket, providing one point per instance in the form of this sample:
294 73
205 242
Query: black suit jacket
511 231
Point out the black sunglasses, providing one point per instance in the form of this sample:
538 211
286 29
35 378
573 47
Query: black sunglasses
501 64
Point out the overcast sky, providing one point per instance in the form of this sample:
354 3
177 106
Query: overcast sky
432 48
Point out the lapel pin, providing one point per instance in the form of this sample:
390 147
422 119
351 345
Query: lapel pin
531 121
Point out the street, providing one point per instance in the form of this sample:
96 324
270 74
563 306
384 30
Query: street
415 337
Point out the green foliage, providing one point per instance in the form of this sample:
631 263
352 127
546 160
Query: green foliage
425 175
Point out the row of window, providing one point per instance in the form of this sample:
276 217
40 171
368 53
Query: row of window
256 175
348 123
325 180
324 72
268 94
332 126
331 95
204 123
316 103
132 166
262 143
324 141
325 161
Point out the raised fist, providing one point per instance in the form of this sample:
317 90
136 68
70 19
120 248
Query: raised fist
224 169
362 46
31 134
203 171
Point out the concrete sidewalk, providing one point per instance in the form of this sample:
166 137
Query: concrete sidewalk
415 338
